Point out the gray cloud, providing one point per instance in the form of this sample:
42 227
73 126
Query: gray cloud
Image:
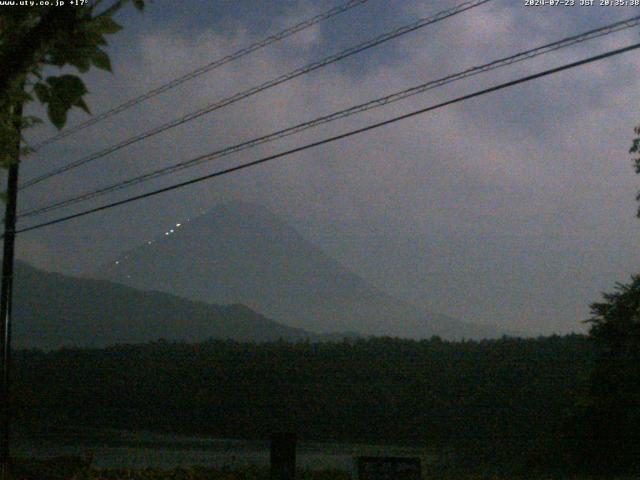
515 208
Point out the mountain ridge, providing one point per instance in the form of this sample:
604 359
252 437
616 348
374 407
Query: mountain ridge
52 310
253 257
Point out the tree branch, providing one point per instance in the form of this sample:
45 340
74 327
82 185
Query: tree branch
17 59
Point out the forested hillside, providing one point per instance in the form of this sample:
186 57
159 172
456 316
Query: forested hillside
53 311
490 397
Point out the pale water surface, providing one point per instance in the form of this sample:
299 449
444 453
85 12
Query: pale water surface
144 449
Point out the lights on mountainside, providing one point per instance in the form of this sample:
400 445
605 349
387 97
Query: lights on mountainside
150 242
178 225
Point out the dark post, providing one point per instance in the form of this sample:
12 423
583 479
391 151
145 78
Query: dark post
283 456
5 299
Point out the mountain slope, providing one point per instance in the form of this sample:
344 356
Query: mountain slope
242 253
53 310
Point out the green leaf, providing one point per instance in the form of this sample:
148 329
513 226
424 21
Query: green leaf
106 25
57 113
64 92
101 60
24 97
42 92
94 39
82 104
82 63
29 121
67 89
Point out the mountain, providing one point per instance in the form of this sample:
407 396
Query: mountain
243 253
53 310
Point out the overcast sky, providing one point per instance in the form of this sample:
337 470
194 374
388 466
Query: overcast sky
515 208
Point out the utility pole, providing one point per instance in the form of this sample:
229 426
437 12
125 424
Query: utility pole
6 296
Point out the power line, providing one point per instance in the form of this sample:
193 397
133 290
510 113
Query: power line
526 55
334 138
423 22
204 69
269 84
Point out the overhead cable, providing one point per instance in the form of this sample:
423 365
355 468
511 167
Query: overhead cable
257 89
204 69
341 136
397 96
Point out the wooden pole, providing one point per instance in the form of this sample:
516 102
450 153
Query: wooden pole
6 291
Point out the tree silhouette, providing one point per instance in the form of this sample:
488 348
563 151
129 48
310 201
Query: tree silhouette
36 38
614 408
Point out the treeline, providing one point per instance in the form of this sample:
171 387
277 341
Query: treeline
490 397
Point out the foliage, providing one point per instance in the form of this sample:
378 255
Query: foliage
55 469
487 402
202 473
611 433
79 468
58 468
34 39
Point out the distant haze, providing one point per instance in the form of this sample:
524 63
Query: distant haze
53 311
242 253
